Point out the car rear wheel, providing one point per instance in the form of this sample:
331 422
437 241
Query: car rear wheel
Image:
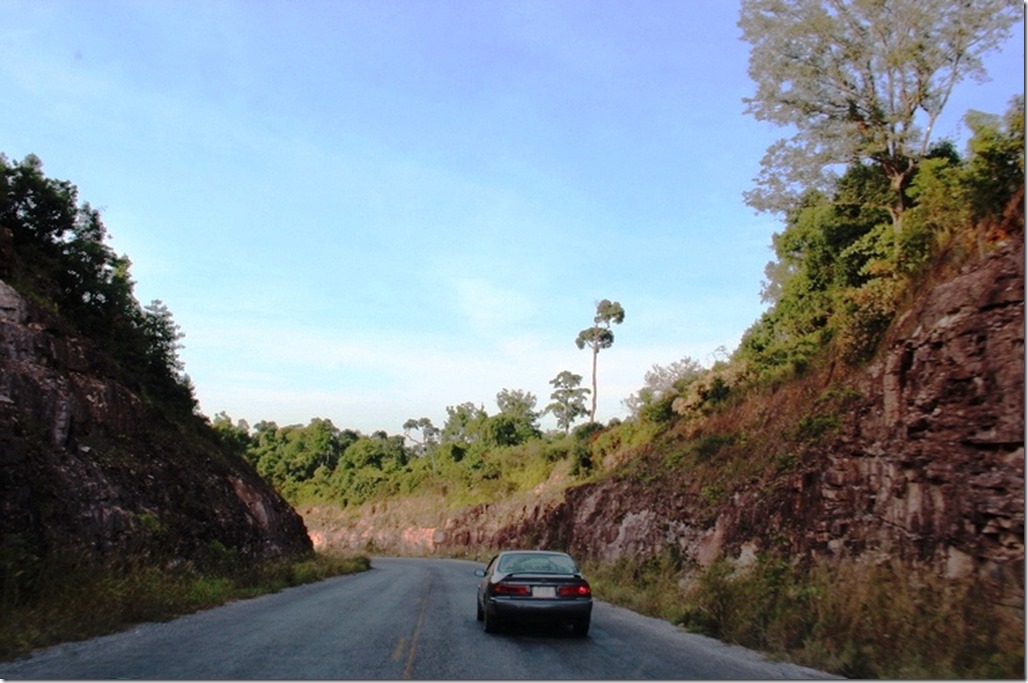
490 622
580 628
478 611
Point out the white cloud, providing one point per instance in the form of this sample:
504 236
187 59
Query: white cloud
489 306
377 381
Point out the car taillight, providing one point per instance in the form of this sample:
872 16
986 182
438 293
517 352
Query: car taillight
508 589
580 590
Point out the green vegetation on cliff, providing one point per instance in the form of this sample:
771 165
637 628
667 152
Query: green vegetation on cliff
841 275
54 250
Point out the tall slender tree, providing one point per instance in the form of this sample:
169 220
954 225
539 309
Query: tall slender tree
600 336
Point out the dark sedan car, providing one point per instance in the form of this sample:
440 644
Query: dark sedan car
534 585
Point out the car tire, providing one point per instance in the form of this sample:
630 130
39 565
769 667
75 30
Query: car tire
491 624
478 611
580 628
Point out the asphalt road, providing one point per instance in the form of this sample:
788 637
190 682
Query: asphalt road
403 619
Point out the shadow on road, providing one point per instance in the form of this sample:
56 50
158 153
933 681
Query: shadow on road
527 630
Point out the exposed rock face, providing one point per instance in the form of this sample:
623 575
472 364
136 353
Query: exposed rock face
89 471
932 467
927 466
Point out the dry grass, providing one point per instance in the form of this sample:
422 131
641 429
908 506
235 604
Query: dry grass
82 603
855 620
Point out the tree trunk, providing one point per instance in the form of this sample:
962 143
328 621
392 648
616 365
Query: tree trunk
596 352
899 178
898 181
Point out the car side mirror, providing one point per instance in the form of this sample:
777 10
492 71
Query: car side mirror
479 572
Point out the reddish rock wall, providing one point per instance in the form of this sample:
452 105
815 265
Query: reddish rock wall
928 465
88 470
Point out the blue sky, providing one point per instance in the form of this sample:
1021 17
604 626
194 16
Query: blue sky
370 210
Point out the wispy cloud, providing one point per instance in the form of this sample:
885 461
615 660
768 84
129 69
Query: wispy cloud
489 306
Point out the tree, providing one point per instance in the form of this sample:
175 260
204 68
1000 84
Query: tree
429 433
661 379
518 420
860 80
38 210
501 430
236 435
996 169
518 403
599 336
464 423
568 399
378 451
164 335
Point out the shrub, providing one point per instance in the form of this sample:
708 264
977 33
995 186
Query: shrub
865 315
813 427
709 445
659 411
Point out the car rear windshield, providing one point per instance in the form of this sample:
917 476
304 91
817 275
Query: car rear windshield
545 564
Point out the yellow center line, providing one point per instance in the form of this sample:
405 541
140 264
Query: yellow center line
414 638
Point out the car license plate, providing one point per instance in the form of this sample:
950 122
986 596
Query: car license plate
544 592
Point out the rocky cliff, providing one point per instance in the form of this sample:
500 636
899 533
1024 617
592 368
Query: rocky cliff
919 456
92 472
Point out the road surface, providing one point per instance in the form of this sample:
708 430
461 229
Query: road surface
403 619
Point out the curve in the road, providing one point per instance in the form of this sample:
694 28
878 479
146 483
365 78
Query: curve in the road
404 619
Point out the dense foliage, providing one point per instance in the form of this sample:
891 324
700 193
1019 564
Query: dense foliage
474 457
842 270
54 250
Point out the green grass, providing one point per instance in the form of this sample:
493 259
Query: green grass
856 620
83 603
649 587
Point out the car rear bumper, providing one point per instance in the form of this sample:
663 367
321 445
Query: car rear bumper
540 609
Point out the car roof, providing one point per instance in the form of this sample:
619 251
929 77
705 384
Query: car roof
532 552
